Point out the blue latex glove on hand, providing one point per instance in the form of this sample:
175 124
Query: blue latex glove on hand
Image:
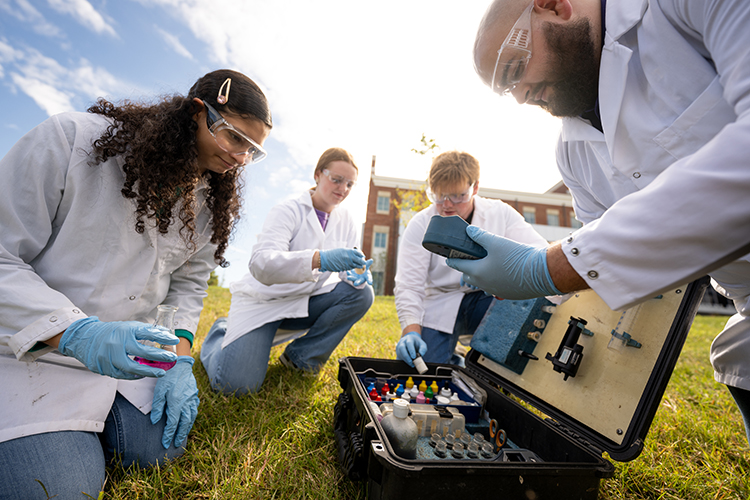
511 270
408 346
341 259
105 347
356 278
177 391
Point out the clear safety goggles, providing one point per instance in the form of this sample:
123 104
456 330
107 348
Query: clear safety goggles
339 180
230 139
513 56
454 198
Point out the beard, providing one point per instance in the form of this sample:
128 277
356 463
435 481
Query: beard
574 73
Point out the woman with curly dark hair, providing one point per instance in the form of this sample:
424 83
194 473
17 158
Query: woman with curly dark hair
105 216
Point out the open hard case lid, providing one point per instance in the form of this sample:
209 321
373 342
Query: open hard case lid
600 374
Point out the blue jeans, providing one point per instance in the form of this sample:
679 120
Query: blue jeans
70 463
742 398
440 345
240 367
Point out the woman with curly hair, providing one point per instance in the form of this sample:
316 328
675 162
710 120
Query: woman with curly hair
107 215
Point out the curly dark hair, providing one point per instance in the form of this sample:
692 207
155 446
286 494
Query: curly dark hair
158 145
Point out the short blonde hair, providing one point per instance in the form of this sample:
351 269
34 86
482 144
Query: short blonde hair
452 168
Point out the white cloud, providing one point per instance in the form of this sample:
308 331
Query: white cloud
174 43
85 13
54 87
372 78
46 96
23 11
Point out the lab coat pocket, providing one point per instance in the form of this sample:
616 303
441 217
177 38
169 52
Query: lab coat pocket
700 122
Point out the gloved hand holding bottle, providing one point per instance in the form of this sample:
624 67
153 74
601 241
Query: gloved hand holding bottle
341 259
106 347
359 276
511 270
409 346
177 394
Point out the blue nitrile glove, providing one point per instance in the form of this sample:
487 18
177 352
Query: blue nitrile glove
511 270
341 259
177 391
357 279
408 346
463 283
105 347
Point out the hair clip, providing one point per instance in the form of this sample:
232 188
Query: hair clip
223 96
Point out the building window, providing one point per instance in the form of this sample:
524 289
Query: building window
574 223
381 240
553 218
529 215
384 202
378 282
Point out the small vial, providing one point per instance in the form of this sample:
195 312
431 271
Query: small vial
164 318
458 450
486 450
399 390
420 365
473 450
435 439
465 439
434 387
409 383
420 398
406 396
450 440
478 438
428 394
441 449
446 391
422 386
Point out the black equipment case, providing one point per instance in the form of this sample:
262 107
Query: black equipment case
566 383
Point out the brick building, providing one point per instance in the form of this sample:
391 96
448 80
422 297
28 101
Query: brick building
551 214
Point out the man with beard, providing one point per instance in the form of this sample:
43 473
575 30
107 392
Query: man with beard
655 149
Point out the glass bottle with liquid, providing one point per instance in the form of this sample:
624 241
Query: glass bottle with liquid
164 318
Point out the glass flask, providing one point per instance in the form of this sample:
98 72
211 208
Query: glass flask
164 318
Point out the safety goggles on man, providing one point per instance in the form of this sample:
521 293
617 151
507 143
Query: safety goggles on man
339 180
513 56
455 198
230 139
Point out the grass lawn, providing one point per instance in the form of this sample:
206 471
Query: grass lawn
279 443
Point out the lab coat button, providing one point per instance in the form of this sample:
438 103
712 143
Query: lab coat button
132 297
593 275
53 319
637 175
570 239
76 311
574 251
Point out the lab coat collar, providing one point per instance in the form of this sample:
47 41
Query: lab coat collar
621 17
312 218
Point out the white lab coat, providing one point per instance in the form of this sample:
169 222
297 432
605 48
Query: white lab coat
281 279
671 168
428 292
68 249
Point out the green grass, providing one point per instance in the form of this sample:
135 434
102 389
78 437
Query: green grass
279 443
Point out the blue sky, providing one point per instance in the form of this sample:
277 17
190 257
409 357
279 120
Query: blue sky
369 77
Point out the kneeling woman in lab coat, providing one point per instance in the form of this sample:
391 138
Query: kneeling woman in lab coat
303 277
105 216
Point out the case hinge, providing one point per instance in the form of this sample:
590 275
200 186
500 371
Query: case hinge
573 435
